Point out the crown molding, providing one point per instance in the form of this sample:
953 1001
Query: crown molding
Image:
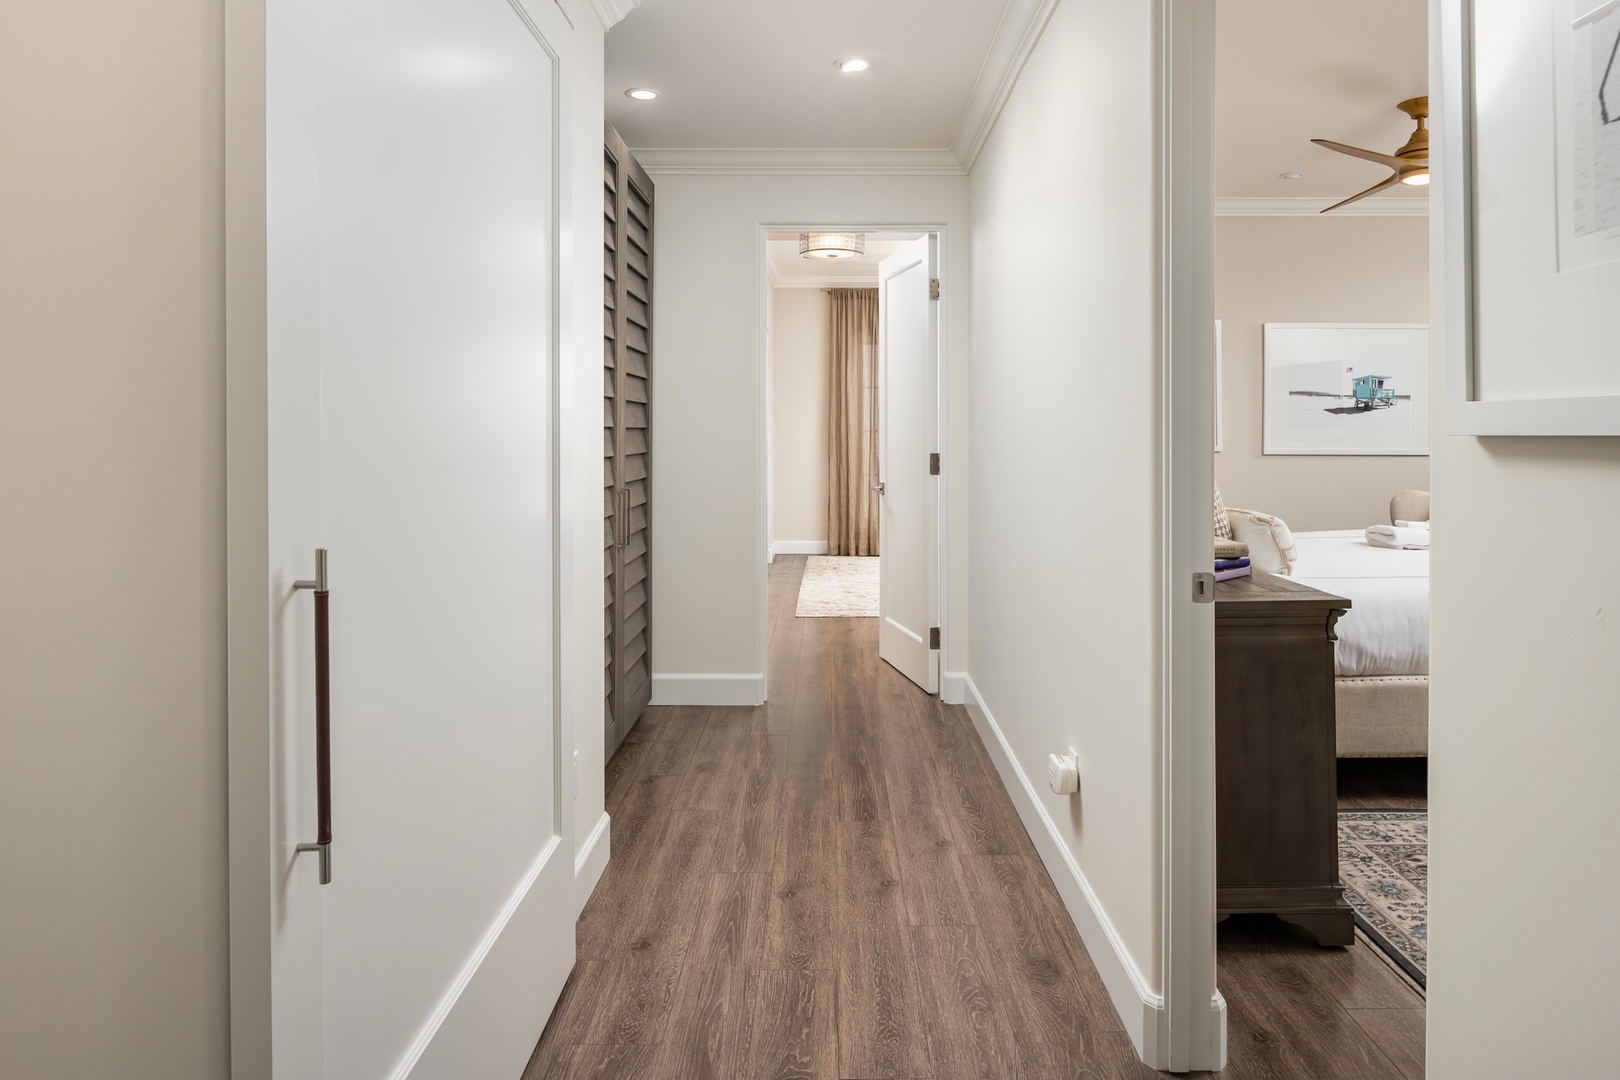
613 12
1386 206
747 161
1021 26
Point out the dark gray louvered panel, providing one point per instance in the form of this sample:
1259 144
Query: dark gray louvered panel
610 214
627 392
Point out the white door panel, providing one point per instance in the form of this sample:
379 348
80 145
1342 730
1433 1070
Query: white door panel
908 336
414 243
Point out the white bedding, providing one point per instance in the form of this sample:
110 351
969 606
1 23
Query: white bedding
1386 630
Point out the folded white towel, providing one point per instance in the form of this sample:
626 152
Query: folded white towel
1393 536
1424 525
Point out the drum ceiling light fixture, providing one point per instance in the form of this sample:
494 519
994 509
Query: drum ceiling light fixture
831 245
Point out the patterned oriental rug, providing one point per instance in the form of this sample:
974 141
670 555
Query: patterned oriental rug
1384 863
839 587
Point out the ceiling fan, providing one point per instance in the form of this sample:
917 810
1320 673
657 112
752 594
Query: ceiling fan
1410 163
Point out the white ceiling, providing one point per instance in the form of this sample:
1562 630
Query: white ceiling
791 270
1288 71
759 73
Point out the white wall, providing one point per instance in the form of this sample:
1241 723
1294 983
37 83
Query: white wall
112 630
1310 269
583 686
708 428
1065 473
799 363
1524 676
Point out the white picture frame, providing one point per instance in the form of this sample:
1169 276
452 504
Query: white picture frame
1218 399
1531 272
1352 389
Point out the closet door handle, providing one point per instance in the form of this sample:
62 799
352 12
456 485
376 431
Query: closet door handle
624 517
323 716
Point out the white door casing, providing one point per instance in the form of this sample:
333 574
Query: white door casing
413 185
908 395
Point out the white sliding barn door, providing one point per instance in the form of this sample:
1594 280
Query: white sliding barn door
413 296
908 540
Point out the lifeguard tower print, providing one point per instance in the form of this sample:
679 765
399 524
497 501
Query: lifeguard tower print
1346 388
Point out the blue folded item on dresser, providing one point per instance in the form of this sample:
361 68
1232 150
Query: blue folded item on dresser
1231 564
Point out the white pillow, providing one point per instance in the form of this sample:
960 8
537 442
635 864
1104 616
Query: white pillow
1271 545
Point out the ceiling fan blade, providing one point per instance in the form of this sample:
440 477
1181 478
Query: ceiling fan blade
1390 160
1391 182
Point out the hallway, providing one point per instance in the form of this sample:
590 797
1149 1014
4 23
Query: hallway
836 885
832 885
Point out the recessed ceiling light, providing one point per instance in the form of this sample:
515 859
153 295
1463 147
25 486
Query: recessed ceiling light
1293 176
641 93
852 65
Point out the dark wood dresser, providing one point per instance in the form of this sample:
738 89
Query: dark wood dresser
1276 780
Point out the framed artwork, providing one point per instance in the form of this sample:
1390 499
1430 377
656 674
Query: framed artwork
1217 386
1529 197
1346 388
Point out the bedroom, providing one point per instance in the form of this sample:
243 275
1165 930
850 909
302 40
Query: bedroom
1322 307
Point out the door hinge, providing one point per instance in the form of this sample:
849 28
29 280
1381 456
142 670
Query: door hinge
1203 588
933 464
933 288
933 637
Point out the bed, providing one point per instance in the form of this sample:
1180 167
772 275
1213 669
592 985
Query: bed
1382 656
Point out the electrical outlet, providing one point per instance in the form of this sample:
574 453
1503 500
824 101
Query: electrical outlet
1063 772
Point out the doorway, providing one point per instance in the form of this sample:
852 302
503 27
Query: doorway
1317 782
852 358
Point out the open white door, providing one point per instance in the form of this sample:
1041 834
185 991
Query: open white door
908 416
412 189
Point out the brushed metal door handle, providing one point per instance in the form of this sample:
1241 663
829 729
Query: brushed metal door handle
323 717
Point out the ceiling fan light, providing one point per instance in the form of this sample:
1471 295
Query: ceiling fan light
831 246
1418 178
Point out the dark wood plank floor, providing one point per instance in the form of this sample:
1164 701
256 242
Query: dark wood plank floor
836 885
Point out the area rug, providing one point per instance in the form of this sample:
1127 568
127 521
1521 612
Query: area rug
1384 863
839 587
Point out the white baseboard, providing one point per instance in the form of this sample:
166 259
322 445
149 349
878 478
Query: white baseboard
1140 1010
590 862
953 687
798 547
490 1018
708 690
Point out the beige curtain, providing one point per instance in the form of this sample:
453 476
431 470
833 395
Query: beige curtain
852 424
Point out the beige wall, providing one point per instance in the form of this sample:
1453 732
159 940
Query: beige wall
799 417
112 531
1044 628
1310 269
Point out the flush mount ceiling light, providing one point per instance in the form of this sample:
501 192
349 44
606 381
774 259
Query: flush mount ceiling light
852 65
641 93
831 245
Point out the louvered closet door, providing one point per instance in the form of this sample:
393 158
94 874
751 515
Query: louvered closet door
627 375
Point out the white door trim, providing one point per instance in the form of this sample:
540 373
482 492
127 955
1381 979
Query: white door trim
247 496
1192 1024
941 422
